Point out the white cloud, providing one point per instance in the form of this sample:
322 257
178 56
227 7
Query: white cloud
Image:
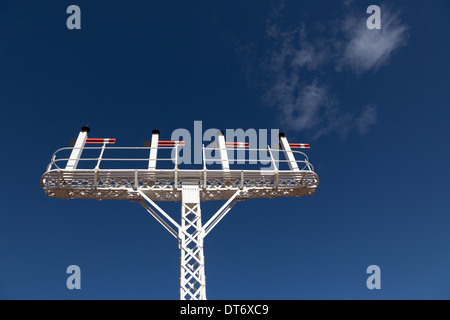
309 56
300 104
365 49
299 101
297 71
367 119
348 2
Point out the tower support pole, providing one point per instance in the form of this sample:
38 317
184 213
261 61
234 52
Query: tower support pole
191 236
75 155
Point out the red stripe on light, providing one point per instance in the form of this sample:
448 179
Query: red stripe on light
170 143
299 145
99 140
237 144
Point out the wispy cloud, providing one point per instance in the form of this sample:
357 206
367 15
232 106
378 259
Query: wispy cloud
364 49
366 119
347 2
298 70
300 104
301 101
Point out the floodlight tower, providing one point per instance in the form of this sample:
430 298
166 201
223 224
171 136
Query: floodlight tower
190 186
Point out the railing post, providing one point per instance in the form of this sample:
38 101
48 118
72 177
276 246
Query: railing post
275 167
176 164
275 182
52 162
204 157
136 179
95 178
59 178
99 159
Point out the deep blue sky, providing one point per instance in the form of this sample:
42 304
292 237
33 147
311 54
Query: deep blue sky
373 106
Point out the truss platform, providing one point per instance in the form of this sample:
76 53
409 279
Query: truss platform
166 185
82 177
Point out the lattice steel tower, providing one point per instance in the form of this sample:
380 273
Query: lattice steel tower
65 179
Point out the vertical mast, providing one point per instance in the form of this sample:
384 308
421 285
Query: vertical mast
77 149
223 152
153 150
189 186
191 235
288 152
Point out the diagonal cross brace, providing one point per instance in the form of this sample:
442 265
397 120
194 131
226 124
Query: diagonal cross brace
190 234
212 222
156 216
159 219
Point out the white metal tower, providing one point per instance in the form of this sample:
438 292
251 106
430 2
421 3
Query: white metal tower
65 179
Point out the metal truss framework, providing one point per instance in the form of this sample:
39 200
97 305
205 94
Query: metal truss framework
190 235
190 187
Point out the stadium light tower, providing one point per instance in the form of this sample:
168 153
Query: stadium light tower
64 179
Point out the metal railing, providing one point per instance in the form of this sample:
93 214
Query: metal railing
272 155
165 184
